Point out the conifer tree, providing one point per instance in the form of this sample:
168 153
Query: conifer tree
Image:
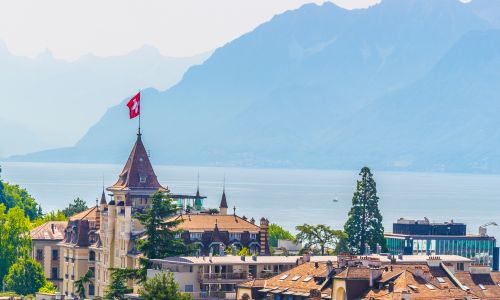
364 223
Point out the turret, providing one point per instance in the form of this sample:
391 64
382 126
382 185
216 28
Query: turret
223 203
264 245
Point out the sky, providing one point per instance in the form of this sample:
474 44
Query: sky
70 29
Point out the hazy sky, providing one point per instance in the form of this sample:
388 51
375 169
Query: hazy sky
70 28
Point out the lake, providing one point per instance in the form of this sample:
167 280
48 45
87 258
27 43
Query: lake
284 196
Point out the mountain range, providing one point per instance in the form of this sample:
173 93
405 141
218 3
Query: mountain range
403 85
61 99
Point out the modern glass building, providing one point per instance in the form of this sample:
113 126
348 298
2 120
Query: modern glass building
425 238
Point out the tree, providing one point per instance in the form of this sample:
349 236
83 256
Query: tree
163 286
48 288
364 223
51 216
77 206
318 236
25 277
161 238
80 283
276 232
15 196
117 287
15 241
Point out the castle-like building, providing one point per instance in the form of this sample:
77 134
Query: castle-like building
105 236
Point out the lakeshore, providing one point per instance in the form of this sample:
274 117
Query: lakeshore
284 196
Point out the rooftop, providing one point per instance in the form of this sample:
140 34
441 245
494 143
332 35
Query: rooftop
52 230
89 214
206 222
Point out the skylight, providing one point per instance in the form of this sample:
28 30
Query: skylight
295 278
429 286
307 279
284 277
440 279
482 286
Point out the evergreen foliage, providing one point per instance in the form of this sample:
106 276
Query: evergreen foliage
81 282
15 241
118 286
77 206
318 236
161 238
51 216
25 277
15 196
163 286
276 232
364 223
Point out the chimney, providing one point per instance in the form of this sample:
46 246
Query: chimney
254 257
434 261
375 273
306 257
97 218
252 220
243 258
264 245
329 268
52 226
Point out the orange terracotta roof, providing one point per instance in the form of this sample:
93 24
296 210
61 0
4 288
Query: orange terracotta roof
354 273
137 167
205 222
420 281
301 279
52 230
490 282
254 283
89 214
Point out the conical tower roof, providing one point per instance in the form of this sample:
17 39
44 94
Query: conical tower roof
103 198
223 201
138 172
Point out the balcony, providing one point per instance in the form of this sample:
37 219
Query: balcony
223 277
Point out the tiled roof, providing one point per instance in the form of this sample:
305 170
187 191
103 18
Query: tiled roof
89 214
301 279
355 273
421 281
52 230
490 282
137 167
206 222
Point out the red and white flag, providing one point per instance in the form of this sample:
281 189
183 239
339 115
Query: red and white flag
134 106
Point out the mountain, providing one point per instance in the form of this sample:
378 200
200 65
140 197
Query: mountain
61 99
325 87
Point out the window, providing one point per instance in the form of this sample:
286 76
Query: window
308 278
460 266
91 256
295 278
195 235
235 236
91 289
284 277
142 178
54 274
440 279
39 254
482 286
429 286
188 288
253 236
55 254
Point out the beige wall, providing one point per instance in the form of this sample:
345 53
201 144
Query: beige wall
48 262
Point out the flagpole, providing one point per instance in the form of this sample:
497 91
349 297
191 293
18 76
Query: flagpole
139 113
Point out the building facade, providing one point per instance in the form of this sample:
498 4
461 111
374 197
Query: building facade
422 237
45 249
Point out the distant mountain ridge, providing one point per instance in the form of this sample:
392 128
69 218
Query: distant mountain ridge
403 85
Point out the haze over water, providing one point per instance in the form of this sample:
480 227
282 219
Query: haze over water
284 196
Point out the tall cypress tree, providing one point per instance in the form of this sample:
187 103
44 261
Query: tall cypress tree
364 223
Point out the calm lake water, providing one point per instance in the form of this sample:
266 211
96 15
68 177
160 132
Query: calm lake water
284 196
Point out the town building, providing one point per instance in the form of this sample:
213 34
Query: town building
421 237
46 251
218 276
344 277
105 236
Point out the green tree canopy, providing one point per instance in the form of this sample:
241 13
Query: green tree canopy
51 216
163 286
25 277
364 223
161 238
117 289
80 283
276 232
15 241
15 196
48 288
319 236
77 206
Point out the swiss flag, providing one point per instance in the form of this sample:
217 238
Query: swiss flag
134 105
